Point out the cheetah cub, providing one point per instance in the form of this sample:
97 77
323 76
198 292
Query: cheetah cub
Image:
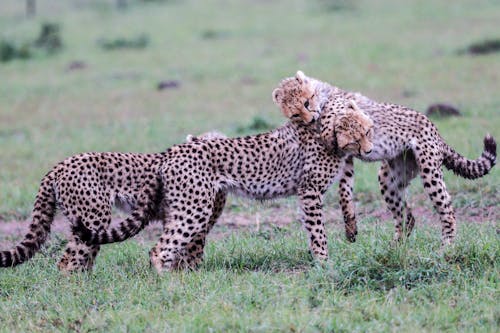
298 100
85 187
406 142
290 160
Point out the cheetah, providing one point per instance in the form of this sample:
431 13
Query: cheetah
408 144
290 160
85 187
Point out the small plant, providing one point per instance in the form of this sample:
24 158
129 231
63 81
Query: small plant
48 41
49 38
257 124
10 50
442 110
7 51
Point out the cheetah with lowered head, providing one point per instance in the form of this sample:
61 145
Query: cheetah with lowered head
289 160
85 187
407 143
297 99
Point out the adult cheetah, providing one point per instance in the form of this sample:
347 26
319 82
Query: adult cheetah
407 143
85 187
289 160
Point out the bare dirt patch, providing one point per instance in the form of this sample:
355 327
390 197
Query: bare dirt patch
257 217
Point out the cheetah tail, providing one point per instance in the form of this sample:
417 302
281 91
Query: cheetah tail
147 207
126 229
44 210
472 169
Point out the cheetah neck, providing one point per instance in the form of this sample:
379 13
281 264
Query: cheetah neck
327 92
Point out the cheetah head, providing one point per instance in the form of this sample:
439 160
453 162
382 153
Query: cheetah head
349 132
297 98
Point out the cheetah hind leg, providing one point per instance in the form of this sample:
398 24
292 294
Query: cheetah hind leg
394 177
78 255
432 178
147 208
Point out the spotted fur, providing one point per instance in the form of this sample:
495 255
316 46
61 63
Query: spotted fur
289 160
408 144
85 187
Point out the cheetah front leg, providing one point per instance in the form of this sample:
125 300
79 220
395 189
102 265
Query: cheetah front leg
346 185
311 205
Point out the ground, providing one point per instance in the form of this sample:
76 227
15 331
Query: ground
219 61
279 214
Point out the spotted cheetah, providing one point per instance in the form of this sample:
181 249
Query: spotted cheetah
85 187
289 160
407 143
297 98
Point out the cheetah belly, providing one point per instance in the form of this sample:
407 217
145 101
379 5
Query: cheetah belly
379 152
261 190
384 148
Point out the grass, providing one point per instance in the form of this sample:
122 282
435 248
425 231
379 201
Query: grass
48 113
267 282
227 63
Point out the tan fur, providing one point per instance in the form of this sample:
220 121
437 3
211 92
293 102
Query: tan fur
206 136
295 97
290 160
404 140
350 125
345 129
85 187
352 128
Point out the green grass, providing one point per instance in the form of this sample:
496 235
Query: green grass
267 282
228 56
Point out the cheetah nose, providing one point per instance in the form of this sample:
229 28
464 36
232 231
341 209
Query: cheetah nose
368 148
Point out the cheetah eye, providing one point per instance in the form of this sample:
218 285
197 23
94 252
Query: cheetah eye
348 145
306 104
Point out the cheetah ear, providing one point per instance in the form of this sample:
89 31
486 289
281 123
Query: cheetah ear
355 110
354 106
301 77
278 96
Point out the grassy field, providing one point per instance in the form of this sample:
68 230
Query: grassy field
264 282
227 57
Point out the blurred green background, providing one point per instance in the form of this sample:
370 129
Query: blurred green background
221 61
